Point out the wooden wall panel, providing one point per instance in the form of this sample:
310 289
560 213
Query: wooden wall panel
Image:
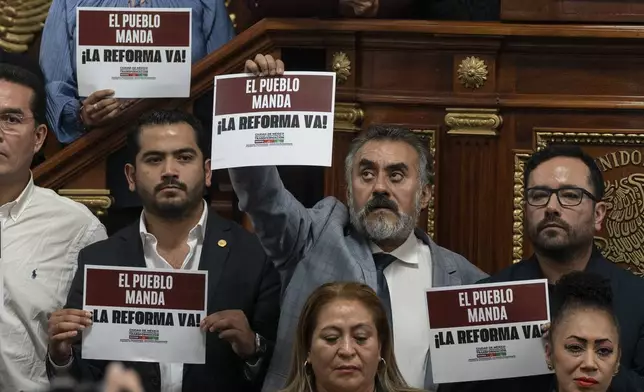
573 10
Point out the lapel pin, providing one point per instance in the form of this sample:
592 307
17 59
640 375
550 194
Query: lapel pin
222 243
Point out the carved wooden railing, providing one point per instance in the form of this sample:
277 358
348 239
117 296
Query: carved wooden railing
482 95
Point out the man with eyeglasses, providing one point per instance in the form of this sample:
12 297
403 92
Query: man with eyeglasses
40 237
563 211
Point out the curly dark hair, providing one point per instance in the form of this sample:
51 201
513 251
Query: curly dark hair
581 290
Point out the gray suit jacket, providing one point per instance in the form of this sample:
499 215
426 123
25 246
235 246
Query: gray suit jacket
314 246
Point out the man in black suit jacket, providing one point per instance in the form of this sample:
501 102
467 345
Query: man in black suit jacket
564 189
170 171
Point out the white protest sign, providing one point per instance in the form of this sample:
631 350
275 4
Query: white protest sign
488 331
145 315
286 120
137 52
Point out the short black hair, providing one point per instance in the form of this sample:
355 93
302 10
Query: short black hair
581 290
166 117
25 77
571 151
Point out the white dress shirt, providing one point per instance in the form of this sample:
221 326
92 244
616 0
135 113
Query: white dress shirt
41 236
172 373
408 278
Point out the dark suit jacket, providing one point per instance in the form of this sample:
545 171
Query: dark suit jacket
627 290
239 277
480 10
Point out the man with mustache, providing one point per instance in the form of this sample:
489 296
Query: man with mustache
563 210
169 169
373 241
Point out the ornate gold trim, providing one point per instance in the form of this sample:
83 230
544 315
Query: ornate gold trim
341 65
20 21
545 136
473 122
97 200
520 157
472 72
348 117
430 135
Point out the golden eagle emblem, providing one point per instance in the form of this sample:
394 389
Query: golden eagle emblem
20 21
624 222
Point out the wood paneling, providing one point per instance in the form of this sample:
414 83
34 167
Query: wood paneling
573 10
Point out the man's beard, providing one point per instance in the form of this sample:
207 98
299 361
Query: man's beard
172 209
561 248
380 228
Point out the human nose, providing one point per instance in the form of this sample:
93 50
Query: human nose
346 348
381 184
589 363
170 168
553 203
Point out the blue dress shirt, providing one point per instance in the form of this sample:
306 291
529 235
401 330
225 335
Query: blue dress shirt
211 28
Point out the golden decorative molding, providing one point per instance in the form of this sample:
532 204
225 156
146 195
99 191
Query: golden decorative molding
547 136
348 117
473 122
20 21
472 72
341 65
430 136
520 157
97 200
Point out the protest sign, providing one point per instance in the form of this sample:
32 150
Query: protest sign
145 315
286 120
137 52
488 331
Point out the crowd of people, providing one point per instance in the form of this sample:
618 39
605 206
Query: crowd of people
322 299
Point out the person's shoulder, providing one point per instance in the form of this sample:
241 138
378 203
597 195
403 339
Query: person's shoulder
507 274
64 207
626 278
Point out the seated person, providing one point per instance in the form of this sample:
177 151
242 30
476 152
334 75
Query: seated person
70 115
169 168
343 343
393 9
42 234
583 344
564 189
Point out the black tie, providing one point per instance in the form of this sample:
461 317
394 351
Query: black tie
382 261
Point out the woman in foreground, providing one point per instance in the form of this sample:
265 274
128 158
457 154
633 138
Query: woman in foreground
343 344
583 343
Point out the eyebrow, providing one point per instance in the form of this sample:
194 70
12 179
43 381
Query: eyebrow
358 326
11 111
398 166
604 340
180 151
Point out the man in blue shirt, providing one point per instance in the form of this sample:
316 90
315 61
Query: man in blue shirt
70 115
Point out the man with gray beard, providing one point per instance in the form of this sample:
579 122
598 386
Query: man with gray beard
373 241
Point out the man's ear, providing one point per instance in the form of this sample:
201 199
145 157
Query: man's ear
130 175
426 196
600 214
40 135
207 173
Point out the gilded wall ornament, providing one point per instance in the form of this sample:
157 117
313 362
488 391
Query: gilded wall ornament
20 21
341 65
472 72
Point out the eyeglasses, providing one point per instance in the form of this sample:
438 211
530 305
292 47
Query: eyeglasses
567 196
11 121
